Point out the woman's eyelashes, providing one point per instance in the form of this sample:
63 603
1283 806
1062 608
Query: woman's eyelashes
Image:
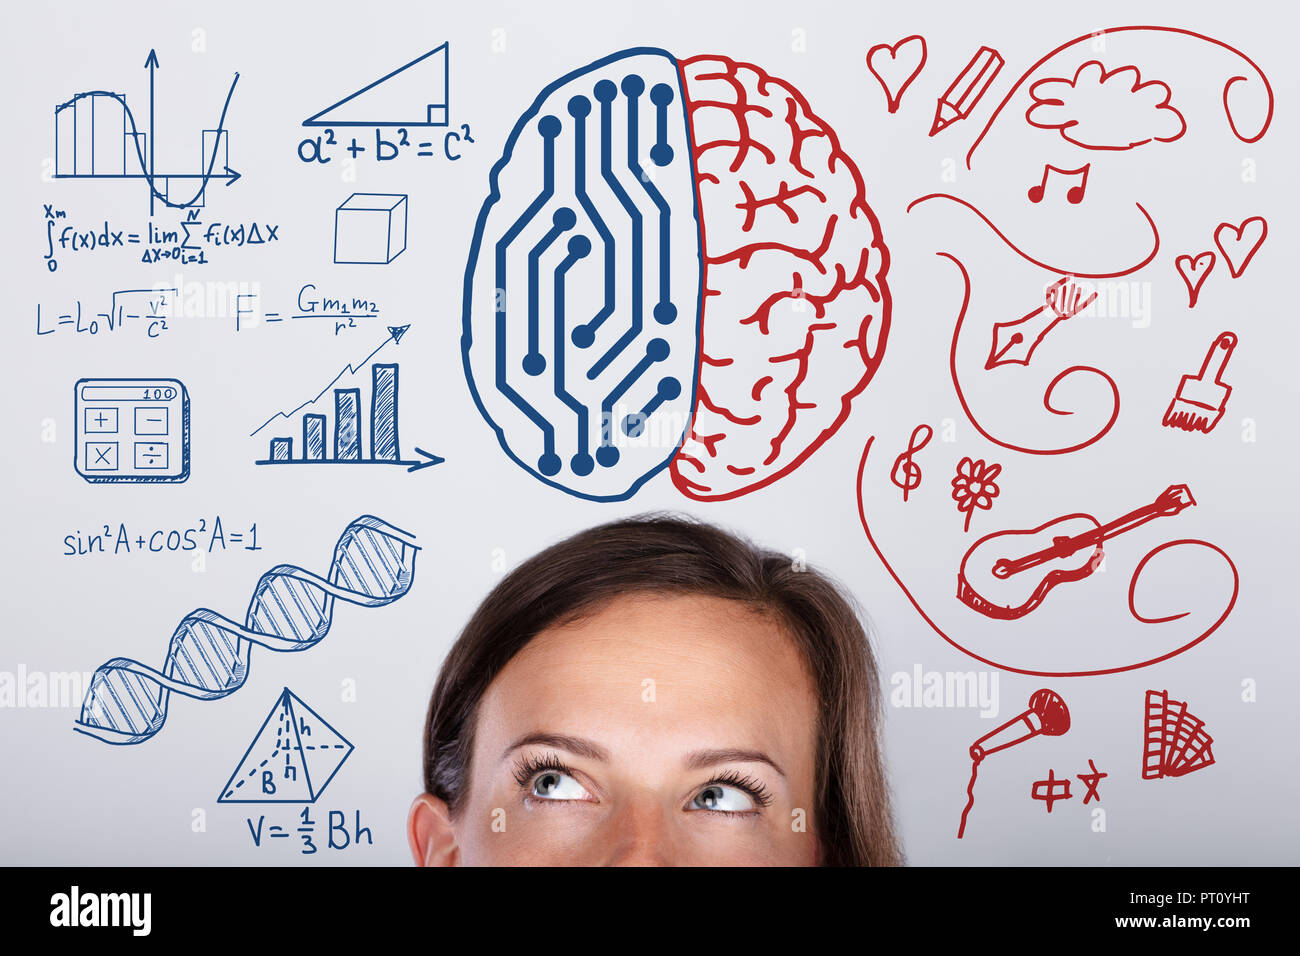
733 794
548 779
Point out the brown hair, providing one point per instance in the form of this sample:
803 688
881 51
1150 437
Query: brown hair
677 555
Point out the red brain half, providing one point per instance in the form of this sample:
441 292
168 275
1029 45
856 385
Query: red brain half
796 307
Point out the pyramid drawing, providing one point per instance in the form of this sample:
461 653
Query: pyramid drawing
292 759
1176 742
412 95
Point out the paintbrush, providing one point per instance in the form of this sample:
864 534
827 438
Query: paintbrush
1201 399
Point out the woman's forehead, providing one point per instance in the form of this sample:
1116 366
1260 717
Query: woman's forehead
677 666
676 632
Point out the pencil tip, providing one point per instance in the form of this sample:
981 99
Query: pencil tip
940 121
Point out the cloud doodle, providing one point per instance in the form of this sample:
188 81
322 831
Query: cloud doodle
1100 109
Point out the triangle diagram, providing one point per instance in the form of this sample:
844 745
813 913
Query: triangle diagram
411 95
293 757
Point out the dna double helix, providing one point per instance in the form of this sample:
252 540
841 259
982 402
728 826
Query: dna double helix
291 610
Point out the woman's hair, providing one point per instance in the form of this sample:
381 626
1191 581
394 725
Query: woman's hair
667 554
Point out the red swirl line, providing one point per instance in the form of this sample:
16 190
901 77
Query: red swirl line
1155 240
1137 572
1047 395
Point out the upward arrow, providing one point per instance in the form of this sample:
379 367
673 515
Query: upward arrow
395 333
152 63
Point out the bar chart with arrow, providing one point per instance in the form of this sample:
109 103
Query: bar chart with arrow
354 437
98 137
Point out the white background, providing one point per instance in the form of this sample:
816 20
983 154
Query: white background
69 799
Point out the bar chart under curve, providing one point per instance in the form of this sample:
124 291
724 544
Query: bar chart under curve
357 440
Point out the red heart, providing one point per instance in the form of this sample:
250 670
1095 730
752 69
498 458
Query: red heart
1194 269
1247 238
913 50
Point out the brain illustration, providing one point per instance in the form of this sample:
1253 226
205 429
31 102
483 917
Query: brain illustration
676 267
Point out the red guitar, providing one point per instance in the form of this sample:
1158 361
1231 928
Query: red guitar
993 579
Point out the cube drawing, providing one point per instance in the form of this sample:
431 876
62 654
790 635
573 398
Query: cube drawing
370 228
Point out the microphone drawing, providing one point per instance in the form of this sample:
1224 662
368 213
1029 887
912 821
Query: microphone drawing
1046 714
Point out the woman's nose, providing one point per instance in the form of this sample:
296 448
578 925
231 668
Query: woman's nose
641 834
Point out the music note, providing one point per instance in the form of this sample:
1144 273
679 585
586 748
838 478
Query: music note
911 477
1073 195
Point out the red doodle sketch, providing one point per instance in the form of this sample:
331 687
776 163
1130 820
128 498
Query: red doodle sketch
796 306
1238 244
1046 715
1046 790
1106 110
966 648
1257 80
1201 399
1194 270
1168 545
1175 742
896 66
1113 274
1074 195
993 578
1047 395
974 487
907 473
1090 780
1014 342
967 89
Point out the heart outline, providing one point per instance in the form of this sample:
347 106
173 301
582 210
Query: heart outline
1194 289
1233 268
893 98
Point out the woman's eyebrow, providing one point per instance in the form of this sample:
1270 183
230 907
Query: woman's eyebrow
703 759
578 746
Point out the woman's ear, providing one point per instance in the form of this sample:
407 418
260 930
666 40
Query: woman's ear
429 831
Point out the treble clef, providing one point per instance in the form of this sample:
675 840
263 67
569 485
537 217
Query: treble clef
906 473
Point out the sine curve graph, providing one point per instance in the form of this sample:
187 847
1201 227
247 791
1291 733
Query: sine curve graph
291 610
148 173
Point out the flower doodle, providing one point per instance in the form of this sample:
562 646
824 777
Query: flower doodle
974 487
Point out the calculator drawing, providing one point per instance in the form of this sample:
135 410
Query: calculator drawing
132 430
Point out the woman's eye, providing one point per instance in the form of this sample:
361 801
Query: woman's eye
555 785
724 799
